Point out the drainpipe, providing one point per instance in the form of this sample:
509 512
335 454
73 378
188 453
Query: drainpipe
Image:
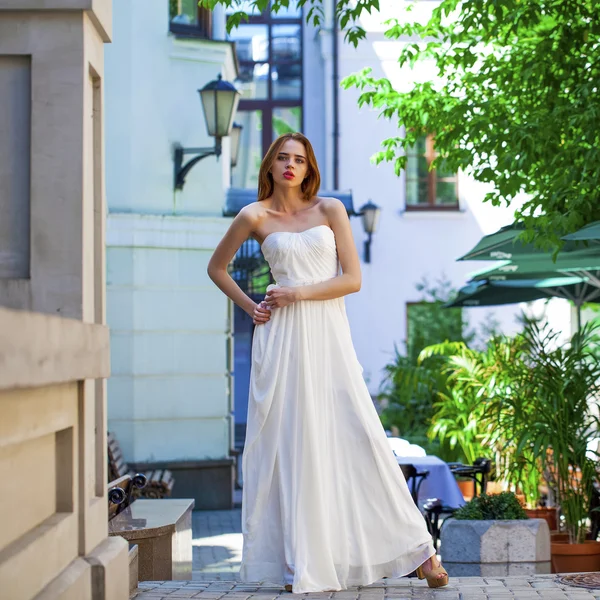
336 116
218 22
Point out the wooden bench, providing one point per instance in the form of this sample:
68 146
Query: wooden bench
119 498
120 492
162 530
159 483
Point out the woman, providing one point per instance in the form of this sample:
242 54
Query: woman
324 503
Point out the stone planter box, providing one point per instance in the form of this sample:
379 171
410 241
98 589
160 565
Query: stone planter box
495 548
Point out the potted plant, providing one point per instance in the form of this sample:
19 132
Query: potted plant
473 414
492 536
524 473
553 414
462 413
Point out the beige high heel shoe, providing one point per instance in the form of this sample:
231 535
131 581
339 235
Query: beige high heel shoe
432 576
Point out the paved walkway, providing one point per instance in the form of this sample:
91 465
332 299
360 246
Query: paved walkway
217 546
539 587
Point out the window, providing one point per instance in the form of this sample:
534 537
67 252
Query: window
269 53
430 323
187 19
429 189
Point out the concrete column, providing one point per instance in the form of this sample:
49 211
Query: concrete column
52 261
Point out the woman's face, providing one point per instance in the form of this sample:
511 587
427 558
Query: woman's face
290 166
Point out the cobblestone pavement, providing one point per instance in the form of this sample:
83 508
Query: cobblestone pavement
216 544
538 587
217 551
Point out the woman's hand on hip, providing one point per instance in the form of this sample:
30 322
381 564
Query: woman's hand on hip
261 314
278 297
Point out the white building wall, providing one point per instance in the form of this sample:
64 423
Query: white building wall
169 396
169 393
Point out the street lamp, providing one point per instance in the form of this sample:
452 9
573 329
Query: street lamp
370 218
220 100
236 136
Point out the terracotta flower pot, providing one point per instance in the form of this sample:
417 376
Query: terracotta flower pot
548 514
575 558
466 489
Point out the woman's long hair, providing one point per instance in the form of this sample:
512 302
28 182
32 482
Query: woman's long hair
311 184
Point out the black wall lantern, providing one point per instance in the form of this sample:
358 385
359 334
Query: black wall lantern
220 100
370 218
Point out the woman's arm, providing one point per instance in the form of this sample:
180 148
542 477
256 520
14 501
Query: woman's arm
342 285
238 232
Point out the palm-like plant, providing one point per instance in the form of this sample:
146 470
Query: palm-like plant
554 414
479 381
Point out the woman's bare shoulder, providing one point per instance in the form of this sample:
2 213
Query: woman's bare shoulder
330 207
254 215
255 211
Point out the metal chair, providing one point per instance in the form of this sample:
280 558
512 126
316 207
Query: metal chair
433 509
414 479
478 472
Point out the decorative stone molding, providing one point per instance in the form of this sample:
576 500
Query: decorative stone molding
163 231
37 350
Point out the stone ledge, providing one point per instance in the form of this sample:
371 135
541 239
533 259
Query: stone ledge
38 350
99 11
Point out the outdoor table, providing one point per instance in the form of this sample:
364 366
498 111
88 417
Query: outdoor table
440 483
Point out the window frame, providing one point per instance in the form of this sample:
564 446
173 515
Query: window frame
201 30
432 180
267 105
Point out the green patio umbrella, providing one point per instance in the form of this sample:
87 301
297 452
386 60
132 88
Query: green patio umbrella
492 293
487 293
541 266
590 232
531 273
503 245
500 245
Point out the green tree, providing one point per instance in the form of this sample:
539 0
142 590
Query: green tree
516 104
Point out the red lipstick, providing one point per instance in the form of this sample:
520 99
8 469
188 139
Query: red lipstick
288 175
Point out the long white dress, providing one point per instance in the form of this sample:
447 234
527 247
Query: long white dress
325 505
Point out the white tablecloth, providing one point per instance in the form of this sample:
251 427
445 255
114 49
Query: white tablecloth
440 482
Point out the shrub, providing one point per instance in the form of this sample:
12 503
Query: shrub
497 507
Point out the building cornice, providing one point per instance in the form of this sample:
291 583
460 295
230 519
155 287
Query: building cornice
134 230
219 52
